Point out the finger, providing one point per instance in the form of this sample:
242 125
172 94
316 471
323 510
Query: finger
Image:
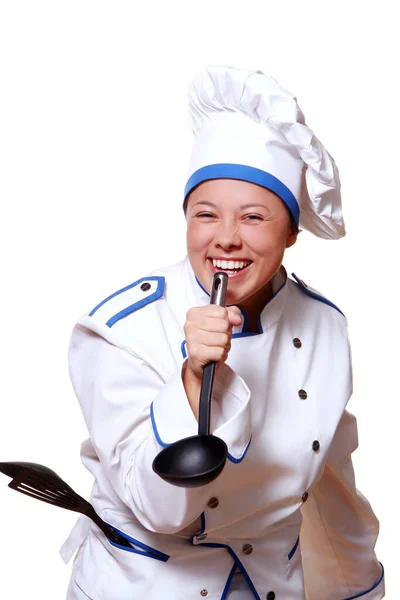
214 325
207 339
209 310
208 332
211 354
235 316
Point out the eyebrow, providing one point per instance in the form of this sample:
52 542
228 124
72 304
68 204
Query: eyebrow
252 205
241 207
206 203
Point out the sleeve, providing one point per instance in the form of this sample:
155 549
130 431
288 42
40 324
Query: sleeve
132 412
339 529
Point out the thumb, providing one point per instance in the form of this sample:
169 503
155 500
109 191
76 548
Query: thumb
235 316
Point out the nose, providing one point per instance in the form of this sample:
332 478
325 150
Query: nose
227 235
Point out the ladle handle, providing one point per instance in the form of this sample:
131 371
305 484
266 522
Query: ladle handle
218 296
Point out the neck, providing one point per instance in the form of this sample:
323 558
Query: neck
254 306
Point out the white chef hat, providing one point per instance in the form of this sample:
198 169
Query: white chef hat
248 127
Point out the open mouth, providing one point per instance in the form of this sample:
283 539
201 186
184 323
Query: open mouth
230 267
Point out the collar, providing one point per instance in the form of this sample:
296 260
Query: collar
271 312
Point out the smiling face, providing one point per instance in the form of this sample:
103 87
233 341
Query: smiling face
240 228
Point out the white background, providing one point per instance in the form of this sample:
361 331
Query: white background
94 146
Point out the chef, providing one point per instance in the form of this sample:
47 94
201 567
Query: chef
284 520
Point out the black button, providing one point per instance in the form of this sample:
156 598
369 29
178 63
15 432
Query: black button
316 446
304 496
303 394
247 549
297 343
145 286
271 596
203 593
213 502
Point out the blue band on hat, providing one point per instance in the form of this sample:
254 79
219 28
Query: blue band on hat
245 173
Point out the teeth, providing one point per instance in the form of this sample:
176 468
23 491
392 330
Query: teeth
230 264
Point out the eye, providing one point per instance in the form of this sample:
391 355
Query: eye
253 218
205 215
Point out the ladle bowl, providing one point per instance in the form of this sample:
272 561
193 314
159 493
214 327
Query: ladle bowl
197 460
193 461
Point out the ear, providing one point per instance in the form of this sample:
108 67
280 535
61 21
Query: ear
292 234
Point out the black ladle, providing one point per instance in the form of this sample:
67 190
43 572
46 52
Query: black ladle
199 459
40 482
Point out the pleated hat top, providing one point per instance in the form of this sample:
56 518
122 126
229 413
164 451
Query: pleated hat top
248 127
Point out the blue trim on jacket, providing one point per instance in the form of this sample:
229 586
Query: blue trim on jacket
238 563
245 173
371 588
164 444
203 288
314 295
232 553
202 523
239 460
293 550
145 550
153 422
228 582
137 305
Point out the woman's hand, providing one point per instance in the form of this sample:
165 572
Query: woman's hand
208 332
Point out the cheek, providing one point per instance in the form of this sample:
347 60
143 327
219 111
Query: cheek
197 238
267 242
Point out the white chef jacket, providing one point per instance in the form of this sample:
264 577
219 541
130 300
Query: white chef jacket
284 512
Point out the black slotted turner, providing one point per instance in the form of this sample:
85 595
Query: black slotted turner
40 482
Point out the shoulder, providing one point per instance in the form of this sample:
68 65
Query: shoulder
129 299
134 298
131 318
309 292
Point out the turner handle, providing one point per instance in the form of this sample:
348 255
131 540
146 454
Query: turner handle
218 296
107 529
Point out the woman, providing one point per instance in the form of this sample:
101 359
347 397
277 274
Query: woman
284 520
